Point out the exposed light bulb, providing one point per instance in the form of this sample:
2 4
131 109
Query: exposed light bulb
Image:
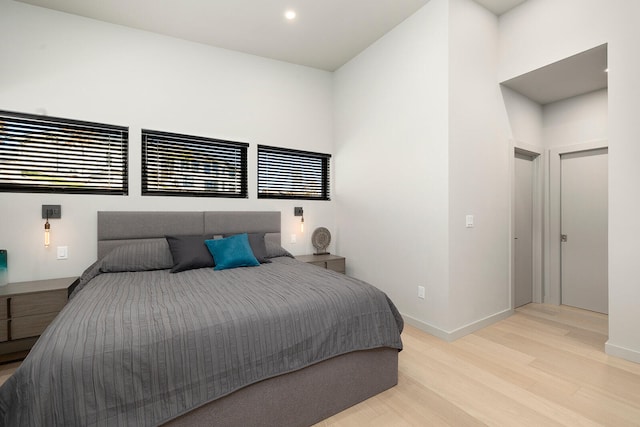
290 14
302 225
47 232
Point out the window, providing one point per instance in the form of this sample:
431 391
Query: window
41 154
292 174
182 165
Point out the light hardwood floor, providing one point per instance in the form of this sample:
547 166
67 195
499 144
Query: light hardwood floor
543 366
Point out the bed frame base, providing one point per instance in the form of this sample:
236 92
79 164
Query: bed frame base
303 397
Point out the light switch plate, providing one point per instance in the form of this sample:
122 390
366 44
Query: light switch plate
421 292
63 252
469 221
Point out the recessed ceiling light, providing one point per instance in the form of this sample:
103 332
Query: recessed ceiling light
290 14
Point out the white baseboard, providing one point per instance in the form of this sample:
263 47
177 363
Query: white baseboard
425 327
622 352
453 335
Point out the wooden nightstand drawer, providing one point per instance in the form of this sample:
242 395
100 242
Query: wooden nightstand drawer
30 326
328 261
40 303
3 308
336 265
318 263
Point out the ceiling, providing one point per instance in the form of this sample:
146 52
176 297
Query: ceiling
325 34
499 6
576 75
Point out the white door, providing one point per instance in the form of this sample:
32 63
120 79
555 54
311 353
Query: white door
523 230
584 254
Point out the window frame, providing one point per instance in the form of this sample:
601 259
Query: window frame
240 178
322 175
77 167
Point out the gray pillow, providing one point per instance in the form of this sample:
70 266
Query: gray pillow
189 252
275 250
258 246
143 256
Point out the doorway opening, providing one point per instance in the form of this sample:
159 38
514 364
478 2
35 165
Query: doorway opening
527 228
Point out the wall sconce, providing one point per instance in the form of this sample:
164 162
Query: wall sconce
49 212
299 212
47 232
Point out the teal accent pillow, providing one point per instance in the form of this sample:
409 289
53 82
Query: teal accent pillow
231 252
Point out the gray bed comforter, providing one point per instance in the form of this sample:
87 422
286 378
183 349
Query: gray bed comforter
141 348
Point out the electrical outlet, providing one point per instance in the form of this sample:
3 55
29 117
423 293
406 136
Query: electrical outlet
421 292
294 238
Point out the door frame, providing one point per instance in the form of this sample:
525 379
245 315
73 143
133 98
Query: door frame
553 291
537 154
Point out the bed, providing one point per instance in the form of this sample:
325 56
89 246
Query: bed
283 343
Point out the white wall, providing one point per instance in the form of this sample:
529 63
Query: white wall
524 116
420 143
478 170
624 176
83 69
391 151
570 27
576 120
541 32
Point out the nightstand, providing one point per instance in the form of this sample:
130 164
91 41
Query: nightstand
26 309
328 261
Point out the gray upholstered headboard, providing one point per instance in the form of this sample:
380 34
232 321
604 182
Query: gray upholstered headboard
116 228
